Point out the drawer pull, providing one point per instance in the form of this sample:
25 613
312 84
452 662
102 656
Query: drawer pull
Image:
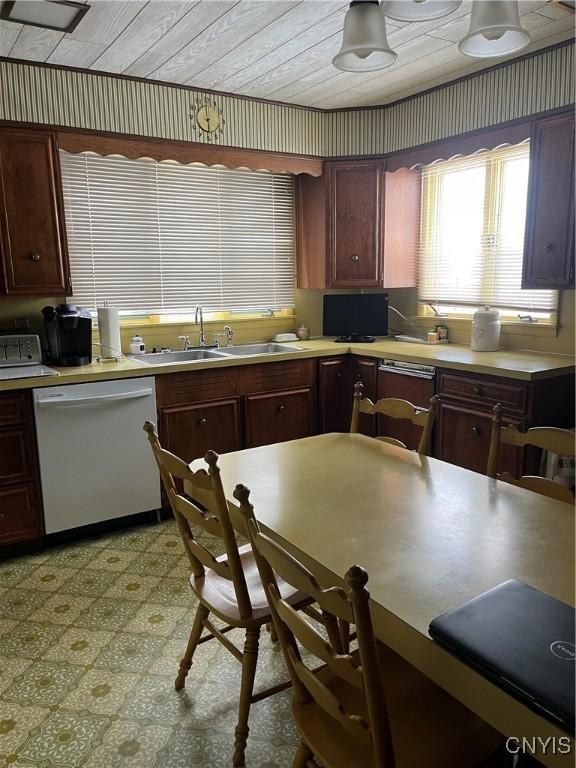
477 390
281 408
34 256
2 516
355 258
358 377
339 375
476 430
202 422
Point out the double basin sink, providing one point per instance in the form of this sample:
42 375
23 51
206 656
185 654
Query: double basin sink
220 353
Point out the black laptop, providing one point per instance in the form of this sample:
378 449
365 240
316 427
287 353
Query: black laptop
523 640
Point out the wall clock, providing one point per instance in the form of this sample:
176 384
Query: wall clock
208 119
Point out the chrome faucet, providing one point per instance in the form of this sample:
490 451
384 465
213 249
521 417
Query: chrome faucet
202 341
186 340
229 334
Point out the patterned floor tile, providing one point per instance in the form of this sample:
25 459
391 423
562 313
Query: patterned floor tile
109 559
108 614
89 583
47 578
130 745
62 609
138 539
79 646
71 556
159 620
44 683
167 544
130 586
153 564
65 739
155 700
20 603
91 653
16 722
30 641
172 592
100 692
12 572
131 653
10 669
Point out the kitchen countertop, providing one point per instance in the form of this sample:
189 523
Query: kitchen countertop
522 365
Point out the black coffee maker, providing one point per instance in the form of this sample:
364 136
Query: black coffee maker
69 334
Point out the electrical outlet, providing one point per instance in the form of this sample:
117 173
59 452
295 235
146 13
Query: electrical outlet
22 324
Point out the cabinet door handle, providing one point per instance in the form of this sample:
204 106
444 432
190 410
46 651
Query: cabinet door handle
358 377
281 408
339 375
34 256
477 390
548 246
355 258
202 422
2 516
475 430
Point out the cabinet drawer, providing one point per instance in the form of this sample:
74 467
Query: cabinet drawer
267 377
195 386
189 431
16 461
484 391
20 518
278 417
13 408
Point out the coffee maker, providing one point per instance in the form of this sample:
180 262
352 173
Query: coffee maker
69 334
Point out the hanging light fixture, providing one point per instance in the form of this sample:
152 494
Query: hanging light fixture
364 44
495 30
418 10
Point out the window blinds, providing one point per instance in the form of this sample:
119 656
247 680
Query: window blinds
472 232
160 237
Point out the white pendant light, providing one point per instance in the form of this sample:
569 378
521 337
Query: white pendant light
495 30
364 45
419 10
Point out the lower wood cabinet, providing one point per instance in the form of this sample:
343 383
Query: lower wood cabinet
335 394
465 420
20 505
227 409
190 431
279 416
463 438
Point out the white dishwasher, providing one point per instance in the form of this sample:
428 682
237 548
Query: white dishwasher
95 461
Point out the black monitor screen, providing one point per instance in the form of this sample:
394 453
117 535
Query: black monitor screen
363 314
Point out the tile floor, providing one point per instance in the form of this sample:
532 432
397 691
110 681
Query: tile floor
91 635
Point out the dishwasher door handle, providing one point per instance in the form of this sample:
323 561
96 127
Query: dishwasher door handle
63 401
405 372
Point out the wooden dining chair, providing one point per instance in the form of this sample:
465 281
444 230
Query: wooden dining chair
396 408
228 586
368 708
559 441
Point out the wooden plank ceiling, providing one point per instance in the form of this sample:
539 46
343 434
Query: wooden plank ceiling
269 49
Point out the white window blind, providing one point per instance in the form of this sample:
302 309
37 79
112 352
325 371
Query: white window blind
472 232
161 237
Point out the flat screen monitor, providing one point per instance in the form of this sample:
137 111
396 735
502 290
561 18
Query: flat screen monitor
356 316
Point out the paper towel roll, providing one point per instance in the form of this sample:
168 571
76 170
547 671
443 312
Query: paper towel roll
109 329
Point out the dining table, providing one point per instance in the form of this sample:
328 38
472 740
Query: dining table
431 536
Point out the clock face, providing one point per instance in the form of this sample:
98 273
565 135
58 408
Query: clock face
208 118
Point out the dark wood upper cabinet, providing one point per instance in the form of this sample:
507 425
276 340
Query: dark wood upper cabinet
358 226
33 251
549 243
354 219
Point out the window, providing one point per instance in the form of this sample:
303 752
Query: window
160 237
472 234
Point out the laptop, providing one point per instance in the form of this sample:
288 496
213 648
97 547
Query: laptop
522 640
